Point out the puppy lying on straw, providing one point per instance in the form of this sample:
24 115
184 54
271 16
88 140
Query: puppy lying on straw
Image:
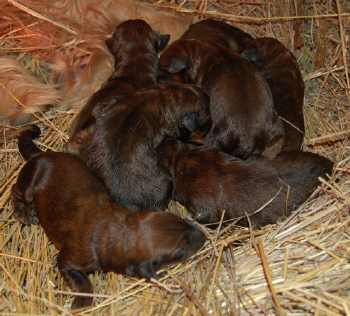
241 106
89 230
208 182
135 48
122 151
280 69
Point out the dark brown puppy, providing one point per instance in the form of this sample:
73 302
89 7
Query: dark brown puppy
280 70
218 32
135 47
89 230
241 107
207 182
123 147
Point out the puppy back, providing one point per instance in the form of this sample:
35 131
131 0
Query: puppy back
218 32
26 146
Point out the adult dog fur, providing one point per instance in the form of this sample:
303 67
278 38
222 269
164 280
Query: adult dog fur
135 47
123 147
280 70
218 32
89 230
207 182
241 107
23 94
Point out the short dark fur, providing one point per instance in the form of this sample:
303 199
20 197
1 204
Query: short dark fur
218 32
241 107
123 147
135 47
280 70
89 230
207 182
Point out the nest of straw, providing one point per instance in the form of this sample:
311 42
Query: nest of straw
296 267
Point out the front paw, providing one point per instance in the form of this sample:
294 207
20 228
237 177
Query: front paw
22 215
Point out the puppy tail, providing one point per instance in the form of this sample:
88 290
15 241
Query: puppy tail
26 146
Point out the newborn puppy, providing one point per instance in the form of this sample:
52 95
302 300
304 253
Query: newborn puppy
135 47
241 107
218 32
89 230
207 182
123 147
280 70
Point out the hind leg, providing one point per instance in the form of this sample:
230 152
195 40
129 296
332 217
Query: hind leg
22 194
76 278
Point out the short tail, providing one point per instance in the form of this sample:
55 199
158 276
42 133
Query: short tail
26 146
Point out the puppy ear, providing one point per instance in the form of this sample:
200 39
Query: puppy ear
252 54
162 41
177 64
112 45
146 270
190 122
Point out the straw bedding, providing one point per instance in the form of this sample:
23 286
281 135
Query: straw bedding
297 267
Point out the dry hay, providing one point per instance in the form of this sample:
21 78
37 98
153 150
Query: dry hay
297 267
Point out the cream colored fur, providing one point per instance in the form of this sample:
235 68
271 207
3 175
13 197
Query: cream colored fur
77 60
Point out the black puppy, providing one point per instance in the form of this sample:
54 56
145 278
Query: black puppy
123 146
280 70
218 32
207 182
89 230
135 47
241 106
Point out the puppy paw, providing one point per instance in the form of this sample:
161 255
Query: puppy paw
273 148
22 215
82 303
34 218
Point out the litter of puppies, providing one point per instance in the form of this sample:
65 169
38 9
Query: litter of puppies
136 148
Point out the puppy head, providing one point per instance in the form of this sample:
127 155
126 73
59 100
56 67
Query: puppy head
194 127
135 31
265 49
163 239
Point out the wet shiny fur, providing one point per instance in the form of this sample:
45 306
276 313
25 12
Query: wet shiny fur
89 230
123 146
207 182
218 32
135 48
281 71
241 106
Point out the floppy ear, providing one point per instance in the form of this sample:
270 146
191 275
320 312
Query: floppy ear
146 270
190 122
252 55
162 41
177 64
112 45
